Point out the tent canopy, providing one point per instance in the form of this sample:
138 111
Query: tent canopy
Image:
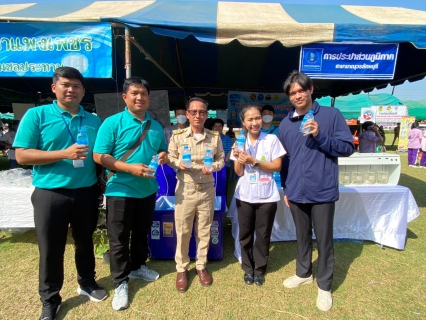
209 47
351 105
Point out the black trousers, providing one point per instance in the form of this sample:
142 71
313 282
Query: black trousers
320 216
255 218
125 216
54 210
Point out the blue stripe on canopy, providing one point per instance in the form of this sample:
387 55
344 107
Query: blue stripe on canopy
322 14
181 18
49 10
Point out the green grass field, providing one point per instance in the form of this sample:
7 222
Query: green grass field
370 282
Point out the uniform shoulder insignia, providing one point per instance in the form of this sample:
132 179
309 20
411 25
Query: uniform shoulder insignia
213 132
178 131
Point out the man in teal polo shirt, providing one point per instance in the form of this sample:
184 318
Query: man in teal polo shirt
131 191
65 192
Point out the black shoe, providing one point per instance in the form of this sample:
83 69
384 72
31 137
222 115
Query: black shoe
248 278
49 311
93 291
259 279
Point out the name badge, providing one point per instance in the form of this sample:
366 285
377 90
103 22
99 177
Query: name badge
253 176
78 163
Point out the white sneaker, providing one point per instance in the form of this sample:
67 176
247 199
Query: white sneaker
295 281
121 297
324 300
144 273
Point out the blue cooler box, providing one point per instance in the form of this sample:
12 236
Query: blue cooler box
162 239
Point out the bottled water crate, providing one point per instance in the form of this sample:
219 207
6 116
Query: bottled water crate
370 169
162 238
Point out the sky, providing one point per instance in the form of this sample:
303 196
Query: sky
407 91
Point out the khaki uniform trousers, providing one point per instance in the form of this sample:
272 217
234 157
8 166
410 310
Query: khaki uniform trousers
193 201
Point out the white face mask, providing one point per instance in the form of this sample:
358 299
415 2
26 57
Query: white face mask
181 119
267 118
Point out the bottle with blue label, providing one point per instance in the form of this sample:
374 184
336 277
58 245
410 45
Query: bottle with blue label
208 160
241 141
277 178
308 116
186 157
82 138
153 165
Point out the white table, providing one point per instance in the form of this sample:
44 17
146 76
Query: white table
16 210
379 214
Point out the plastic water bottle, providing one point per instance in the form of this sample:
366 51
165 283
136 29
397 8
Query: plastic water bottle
308 116
208 160
186 157
277 178
82 138
241 141
153 165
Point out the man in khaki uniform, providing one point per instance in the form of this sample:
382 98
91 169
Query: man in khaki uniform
195 192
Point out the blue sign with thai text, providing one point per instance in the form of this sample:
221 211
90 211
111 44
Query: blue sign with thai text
349 61
38 49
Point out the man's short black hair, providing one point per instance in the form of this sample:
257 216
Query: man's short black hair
135 81
268 108
180 107
297 77
197 99
67 72
367 124
214 121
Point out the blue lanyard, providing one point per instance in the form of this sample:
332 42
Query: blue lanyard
68 128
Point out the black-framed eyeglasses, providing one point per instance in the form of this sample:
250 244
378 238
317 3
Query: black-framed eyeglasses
200 112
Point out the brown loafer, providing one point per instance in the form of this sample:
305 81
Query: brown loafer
205 278
182 281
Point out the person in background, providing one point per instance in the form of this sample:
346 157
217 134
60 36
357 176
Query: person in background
423 146
383 135
131 191
217 125
310 183
230 133
369 138
256 194
2 148
66 191
396 133
6 141
414 144
195 191
182 123
267 118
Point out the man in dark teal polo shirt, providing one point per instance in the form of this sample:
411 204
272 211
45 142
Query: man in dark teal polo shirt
65 187
131 191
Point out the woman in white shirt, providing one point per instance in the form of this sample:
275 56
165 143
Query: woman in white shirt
256 193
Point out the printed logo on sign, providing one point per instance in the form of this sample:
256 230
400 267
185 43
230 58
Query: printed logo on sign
215 223
215 241
312 59
215 228
156 223
215 235
368 115
155 234
215 232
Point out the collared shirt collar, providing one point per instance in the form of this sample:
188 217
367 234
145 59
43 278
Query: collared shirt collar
127 112
80 109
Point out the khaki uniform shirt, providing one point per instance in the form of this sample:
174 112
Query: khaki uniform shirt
185 137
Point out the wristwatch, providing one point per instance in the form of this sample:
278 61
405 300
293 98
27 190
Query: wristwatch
256 164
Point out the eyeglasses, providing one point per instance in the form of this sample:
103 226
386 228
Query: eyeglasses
193 113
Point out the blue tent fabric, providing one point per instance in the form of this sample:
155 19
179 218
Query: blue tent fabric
252 22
